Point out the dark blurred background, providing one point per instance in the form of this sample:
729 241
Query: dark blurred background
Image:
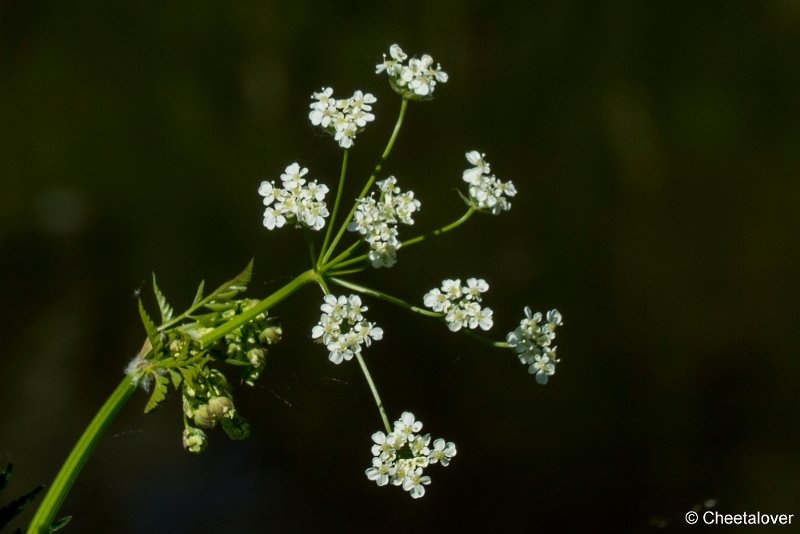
656 149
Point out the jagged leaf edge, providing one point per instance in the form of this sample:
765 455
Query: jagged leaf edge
160 385
151 330
233 287
163 306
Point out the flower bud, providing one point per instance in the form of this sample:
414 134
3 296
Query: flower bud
203 417
256 357
194 440
271 334
236 428
220 407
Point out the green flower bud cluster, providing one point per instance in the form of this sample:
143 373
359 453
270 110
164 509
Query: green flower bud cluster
246 346
207 401
175 353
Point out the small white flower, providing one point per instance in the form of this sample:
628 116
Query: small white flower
442 452
436 300
415 483
380 471
474 288
414 80
543 368
407 425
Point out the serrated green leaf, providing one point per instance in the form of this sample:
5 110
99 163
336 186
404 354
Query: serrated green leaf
233 287
176 378
150 328
60 523
190 373
159 393
199 295
15 507
163 305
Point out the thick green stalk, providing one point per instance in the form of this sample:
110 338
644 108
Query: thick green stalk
77 458
80 453
264 305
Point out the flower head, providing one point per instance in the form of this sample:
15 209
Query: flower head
532 340
414 79
342 118
377 220
343 329
486 192
298 202
401 457
461 304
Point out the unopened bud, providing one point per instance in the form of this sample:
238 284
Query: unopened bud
194 440
220 407
203 418
271 334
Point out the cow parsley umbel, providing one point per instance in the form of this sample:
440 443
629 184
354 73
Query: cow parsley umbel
486 192
461 304
377 220
298 202
415 78
532 340
222 341
401 456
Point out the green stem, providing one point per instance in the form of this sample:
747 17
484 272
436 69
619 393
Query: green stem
262 306
374 390
324 249
310 242
378 167
383 296
77 458
486 340
346 271
441 230
80 453
324 286
335 261
338 263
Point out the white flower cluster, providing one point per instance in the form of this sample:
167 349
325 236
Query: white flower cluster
342 118
298 201
533 339
377 221
415 80
401 457
461 304
486 192
343 329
